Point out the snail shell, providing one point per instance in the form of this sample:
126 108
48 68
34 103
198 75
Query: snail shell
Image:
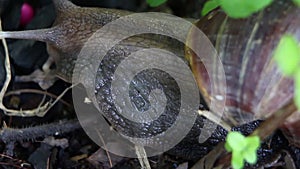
255 87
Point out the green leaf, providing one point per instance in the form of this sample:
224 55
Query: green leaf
236 141
155 3
235 8
209 6
243 8
257 5
250 156
287 55
297 88
253 143
242 148
297 2
227 147
237 160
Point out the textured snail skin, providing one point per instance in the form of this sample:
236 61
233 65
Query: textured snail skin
72 28
74 25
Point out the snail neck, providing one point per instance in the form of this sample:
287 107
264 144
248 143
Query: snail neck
38 35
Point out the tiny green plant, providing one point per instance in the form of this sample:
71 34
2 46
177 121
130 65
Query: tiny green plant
242 148
297 2
155 3
209 6
234 8
238 8
287 56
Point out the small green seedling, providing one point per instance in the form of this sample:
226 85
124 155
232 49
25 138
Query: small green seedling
236 8
155 3
242 148
209 6
297 2
287 56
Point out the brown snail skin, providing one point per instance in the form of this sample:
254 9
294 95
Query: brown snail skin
244 47
71 29
69 18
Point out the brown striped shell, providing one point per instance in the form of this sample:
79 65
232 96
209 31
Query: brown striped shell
255 86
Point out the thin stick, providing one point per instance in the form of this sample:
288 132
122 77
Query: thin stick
9 135
275 120
35 91
105 148
142 157
212 117
42 114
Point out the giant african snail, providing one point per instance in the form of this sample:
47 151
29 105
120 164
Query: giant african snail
254 84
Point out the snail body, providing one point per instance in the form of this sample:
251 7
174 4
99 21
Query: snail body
73 27
243 58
